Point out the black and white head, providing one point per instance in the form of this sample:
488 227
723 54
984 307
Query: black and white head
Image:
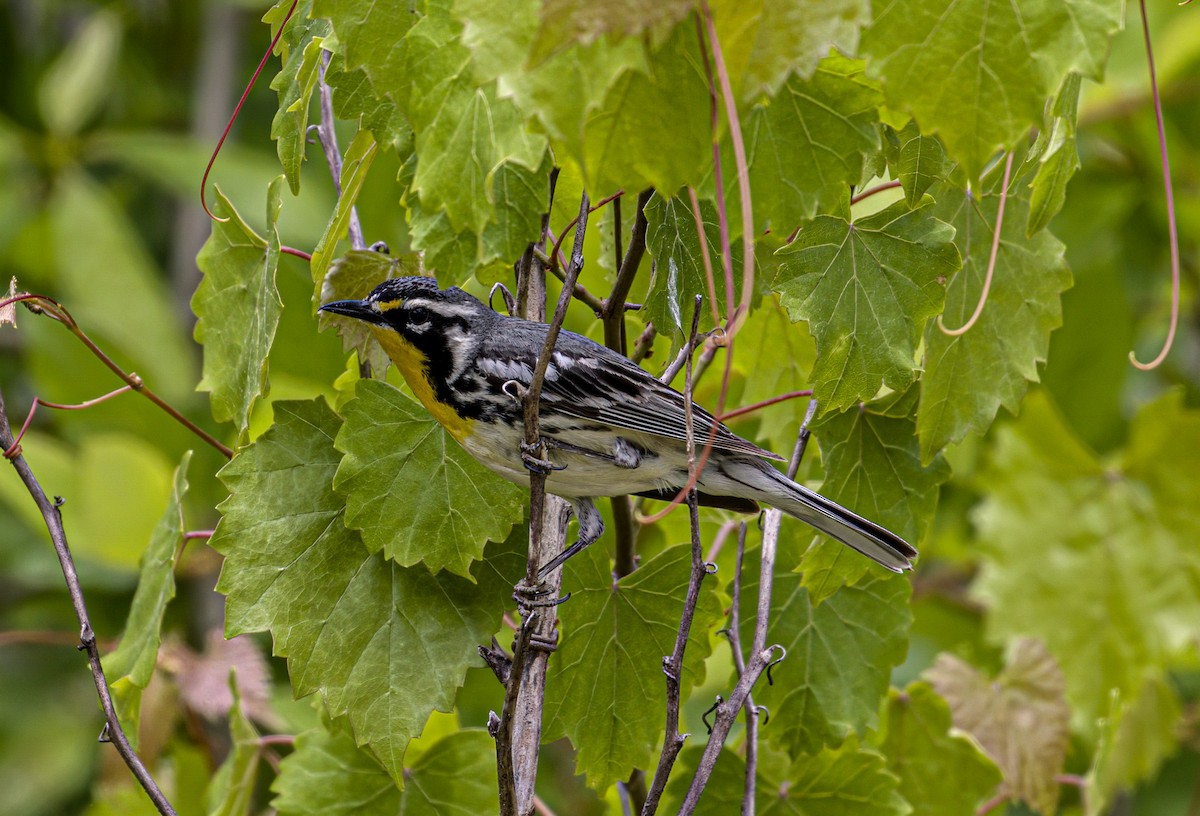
444 324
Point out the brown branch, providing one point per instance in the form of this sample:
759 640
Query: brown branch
612 311
40 304
878 188
87 638
761 656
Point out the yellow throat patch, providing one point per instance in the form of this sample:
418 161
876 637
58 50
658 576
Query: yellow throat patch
414 365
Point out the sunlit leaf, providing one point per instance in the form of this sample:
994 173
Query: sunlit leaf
412 490
237 308
866 289
384 645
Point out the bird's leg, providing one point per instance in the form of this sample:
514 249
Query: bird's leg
591 527
532 456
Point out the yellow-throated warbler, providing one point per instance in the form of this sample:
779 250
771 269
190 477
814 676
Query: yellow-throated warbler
610 427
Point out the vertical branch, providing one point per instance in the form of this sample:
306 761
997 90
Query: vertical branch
522 716
673 664
612 315
761 657
87 637
327 136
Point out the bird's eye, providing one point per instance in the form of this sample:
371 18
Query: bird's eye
418 315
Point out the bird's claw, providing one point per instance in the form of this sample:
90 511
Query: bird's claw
535 463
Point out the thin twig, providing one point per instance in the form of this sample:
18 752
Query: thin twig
673 664
40 304
327 136
237 109
87 637
758 406
878 188
991 267
612 311
739 662
1172 232
761 656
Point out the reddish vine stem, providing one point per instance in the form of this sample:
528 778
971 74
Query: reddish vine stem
758 406
87 637
299 253
878 188
991 267
16 445
1172 230
56 311
743 174
238 109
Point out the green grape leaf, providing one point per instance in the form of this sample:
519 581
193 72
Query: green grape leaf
301 50
412 490
237 308
328 775
608 670
231 792
383 644
653 128
1136 736
1020 718
916 160
805 146
519 196
457 774
764 42
354 97
866 290
131 664
950 64
1058 158
942 771
370 34
356 163
872 466
840 652
1055 517
842 781
968 377
679 264
354 275
464 131
564 22
776 355
723 792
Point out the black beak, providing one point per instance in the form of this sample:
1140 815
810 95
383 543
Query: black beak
353 308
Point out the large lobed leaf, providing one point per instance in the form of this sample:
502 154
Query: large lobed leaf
951 64
606 689
1020 718
1123 539
969 376
840 652
237 308
866 289
942 771
384 645
412 490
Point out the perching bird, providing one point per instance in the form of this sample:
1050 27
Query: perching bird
610 428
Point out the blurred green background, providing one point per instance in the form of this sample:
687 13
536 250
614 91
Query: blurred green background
108 112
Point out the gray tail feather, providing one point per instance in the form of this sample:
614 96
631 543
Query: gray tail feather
877 543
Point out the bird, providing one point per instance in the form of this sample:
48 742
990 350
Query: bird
609 427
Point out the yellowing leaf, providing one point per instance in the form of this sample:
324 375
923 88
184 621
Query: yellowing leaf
1020 718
